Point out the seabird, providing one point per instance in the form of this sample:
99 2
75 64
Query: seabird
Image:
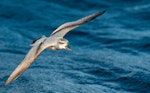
55 41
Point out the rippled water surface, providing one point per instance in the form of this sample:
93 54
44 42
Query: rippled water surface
111 54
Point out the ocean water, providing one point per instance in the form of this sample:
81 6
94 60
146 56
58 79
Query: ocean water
110 54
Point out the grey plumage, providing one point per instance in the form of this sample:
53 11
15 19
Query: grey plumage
65 28
54 42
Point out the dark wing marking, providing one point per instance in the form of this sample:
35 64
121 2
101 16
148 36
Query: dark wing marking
38 41
66 27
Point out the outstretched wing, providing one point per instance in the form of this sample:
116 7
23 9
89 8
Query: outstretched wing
66 27
28 60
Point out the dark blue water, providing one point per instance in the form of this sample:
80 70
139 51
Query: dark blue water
111 54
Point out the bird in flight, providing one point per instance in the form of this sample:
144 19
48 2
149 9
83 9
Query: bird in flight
55 41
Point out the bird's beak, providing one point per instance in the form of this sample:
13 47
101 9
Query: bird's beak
68 47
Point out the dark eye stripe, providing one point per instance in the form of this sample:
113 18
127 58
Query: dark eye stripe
60 42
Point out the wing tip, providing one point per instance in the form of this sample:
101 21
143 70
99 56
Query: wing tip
7 82
10 80
101 12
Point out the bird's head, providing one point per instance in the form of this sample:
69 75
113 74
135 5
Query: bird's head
63 44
